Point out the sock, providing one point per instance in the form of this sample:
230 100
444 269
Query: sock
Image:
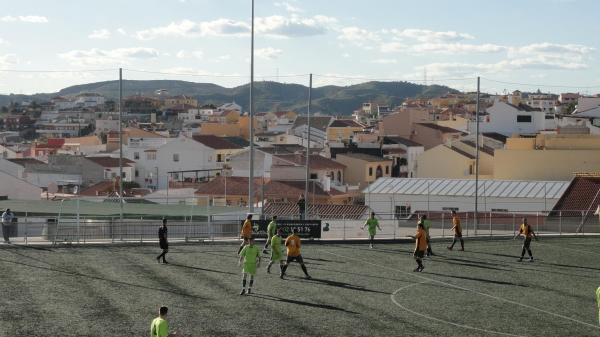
462 244
251 282
244 282
304 269
283 269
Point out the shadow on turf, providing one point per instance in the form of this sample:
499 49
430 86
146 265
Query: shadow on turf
202 269
308 304
337 284
358 274
479 280
322 260
72 273
543 262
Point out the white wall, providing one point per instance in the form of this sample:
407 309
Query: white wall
18 189
503 119
239 164
385 203
192 156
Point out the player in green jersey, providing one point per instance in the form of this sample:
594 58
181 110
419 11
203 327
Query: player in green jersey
271 231
250 256
372 225
160 326
276 253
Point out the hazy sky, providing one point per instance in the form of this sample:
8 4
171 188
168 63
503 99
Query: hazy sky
539 42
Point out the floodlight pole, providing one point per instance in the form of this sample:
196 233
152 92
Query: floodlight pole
477 157
251 115
121 145
306 198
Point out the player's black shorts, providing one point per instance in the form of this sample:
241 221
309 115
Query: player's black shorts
295 258
526 242
458 235
419 254
163 244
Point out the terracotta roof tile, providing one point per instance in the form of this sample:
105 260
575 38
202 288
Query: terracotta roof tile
110 161
316 162
217 143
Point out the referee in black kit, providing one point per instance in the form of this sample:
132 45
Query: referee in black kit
163 241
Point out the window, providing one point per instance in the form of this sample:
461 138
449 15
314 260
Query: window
219 158
339 176
175 157
450 209
150 155
523 119
500 210
136 155
403 212
387 170
137 173
313 176
370 171
378 172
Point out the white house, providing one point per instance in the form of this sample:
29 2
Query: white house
318 129
411 151
509 119
143 152
88 100
19 189
106 125
179 158
230 107
405 196
589 119
587 103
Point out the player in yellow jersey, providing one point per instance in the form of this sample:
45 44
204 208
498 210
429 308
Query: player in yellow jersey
528 234
246 232
160 326
457 232
293 253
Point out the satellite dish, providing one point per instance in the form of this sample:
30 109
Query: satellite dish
52 187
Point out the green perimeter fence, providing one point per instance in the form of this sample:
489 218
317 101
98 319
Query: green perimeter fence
67 222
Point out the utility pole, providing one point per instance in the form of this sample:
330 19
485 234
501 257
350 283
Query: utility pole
121 145
251 123
306 199
477 157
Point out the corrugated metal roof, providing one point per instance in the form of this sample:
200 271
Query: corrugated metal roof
466 187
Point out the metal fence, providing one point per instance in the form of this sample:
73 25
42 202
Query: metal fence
35 229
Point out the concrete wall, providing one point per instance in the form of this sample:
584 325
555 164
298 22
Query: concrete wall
357 170
443 162
220 129
544 164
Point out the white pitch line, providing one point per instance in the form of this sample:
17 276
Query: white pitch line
392 296
473 291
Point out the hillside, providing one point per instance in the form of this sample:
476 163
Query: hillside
269 96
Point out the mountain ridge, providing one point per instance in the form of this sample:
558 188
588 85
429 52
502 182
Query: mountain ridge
268 95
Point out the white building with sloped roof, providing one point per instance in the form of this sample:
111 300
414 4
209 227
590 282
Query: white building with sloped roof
406 196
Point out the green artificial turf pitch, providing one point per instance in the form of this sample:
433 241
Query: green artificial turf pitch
355 291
